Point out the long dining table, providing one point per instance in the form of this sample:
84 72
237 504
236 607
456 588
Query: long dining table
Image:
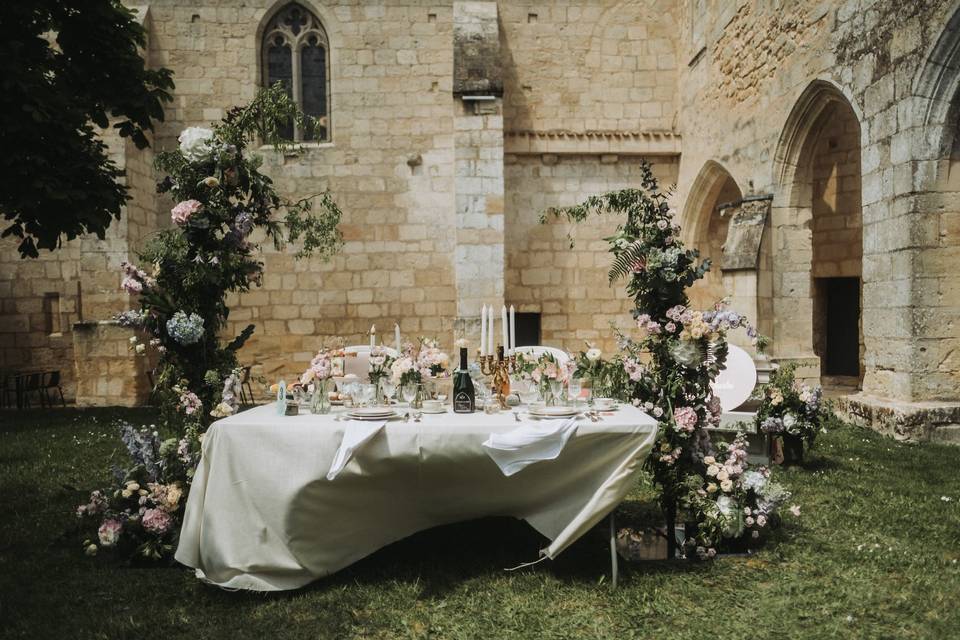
263 515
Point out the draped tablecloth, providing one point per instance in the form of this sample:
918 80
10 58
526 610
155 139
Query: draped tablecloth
262 515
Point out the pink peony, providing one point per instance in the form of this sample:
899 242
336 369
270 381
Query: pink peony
183 211
131 285
156 521
109 532
686 418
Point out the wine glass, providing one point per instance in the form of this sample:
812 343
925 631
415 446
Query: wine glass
389 387
409 392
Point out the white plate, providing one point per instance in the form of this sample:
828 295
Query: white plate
389 416
554 412
372 412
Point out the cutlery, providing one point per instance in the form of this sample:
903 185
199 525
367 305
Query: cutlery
417 416
516 416
406 417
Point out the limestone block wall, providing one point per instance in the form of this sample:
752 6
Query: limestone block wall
751 88
568 287
113 375
586 66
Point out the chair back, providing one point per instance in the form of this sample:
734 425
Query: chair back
33 381
359 365
52 379
561 356
735 382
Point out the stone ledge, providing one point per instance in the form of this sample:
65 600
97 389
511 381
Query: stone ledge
621 143
904 421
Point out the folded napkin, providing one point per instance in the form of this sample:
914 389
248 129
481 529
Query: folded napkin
514 450
355 435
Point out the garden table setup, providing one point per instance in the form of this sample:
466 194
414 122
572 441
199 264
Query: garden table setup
278 501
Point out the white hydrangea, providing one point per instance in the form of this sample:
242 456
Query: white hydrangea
195 143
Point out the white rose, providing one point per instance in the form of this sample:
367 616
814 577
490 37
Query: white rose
133 339
141 348
709 460
726 485
593 354
722 475
713 470
91 550
711 488
211 182
195 143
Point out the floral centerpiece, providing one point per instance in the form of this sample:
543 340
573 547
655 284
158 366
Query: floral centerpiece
792 412
380 364
316 379
220 201
544 370
678 351
420 361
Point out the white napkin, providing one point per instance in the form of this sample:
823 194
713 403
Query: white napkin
355 434
529 443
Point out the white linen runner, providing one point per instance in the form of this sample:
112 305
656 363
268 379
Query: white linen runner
529 443
355 435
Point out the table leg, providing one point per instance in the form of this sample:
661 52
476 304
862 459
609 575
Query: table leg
613 551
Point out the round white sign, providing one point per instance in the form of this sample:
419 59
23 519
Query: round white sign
736 381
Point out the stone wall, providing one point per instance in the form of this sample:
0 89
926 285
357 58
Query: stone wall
567 286
113 374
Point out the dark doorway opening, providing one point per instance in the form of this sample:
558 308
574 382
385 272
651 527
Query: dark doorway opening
841 315
528 329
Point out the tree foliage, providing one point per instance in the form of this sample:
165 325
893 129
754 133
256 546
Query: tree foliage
68 67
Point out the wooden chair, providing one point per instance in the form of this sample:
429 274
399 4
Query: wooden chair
8 390
562 357
360 364
246 391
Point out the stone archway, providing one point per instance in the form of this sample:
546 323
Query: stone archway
705 226
818 239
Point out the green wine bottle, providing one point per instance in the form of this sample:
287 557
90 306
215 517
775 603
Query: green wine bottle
464 400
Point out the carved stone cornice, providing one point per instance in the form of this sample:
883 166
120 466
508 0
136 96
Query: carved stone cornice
621 143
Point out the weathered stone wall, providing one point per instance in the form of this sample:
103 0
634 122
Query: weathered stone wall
749 101
607 65
568 287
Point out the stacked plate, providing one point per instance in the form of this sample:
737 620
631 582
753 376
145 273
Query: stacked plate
553 412
372 413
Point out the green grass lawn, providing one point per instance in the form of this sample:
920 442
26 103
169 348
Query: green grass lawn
875 554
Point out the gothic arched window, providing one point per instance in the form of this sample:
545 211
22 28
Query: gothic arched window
296 52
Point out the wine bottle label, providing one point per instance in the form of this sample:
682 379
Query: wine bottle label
463 403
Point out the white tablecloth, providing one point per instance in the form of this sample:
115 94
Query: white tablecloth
262 515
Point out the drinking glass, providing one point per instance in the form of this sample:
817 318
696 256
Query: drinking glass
389 387
367 394
574 387
556 387
409 392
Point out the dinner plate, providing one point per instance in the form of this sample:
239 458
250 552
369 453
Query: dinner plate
372 412
388 416
440 410
554 412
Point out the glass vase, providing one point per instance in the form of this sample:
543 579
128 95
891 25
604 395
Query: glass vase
320 401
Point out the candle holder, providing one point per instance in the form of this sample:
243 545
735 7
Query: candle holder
499 367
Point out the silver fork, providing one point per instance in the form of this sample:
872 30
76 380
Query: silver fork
516 416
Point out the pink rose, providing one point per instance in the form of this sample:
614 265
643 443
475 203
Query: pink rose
156 521
184 210
686 418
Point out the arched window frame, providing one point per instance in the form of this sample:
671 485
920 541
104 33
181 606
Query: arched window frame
296 37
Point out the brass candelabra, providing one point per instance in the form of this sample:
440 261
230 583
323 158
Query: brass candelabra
499 367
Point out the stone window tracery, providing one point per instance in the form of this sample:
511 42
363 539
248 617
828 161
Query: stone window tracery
296 52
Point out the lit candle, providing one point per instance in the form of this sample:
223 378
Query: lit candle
483 331
373 335
490 330
513 331
506 328
396 335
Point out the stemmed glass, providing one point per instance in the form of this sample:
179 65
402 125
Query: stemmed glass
389 387
367 393
526 391
409 391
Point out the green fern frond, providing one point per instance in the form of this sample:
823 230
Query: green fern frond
623 264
